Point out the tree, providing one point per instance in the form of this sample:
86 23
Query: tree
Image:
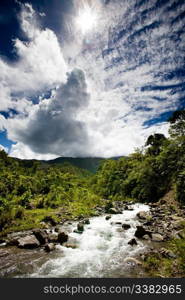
156 141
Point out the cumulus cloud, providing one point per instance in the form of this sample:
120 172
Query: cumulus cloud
40 65
129 63
54 127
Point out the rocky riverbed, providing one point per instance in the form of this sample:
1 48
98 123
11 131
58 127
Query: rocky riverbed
113 243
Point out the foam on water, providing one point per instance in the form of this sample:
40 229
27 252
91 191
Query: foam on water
102 249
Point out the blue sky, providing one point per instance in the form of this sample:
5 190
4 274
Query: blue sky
88 78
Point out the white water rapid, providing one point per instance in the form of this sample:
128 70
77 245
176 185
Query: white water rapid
102 249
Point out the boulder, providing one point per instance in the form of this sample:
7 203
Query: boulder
28 242
126 226
143 215
62 237
114 211
108 217
132 242
86 221
157 237
49 247
41 236
141 231
53 237
80 227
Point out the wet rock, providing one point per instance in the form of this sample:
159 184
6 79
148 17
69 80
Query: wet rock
28 242
118 223
77 231
80 227
49 247
146 237
68 245
12 242
41 236
156 237
53 237
108 217
62 237
143 215
126 226
86 221
49 219
113 210
133 261
132 242
141 231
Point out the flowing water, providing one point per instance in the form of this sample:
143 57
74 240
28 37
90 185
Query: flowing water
102 249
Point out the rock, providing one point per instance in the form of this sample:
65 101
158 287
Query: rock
80 227
143 215
113 210
28 242
108 217
156 237
41 236
68 245
133 261
86 221
49 219
49 247
77 231
62 237
126 226
53 237
146 237
117 223
132 242
141 231
167 253
12 242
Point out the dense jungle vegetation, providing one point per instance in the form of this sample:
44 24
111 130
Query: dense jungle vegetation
32 190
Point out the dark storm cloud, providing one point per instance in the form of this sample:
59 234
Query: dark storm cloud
54 128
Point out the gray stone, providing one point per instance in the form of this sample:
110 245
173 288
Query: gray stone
143 215
28 242
156 237
49 247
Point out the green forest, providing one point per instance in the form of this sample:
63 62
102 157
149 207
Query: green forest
30 190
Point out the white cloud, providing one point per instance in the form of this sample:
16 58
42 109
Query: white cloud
116 70
40 66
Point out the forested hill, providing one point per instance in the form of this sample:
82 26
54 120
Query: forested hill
88 163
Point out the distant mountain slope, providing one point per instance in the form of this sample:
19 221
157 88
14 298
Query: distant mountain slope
88 163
